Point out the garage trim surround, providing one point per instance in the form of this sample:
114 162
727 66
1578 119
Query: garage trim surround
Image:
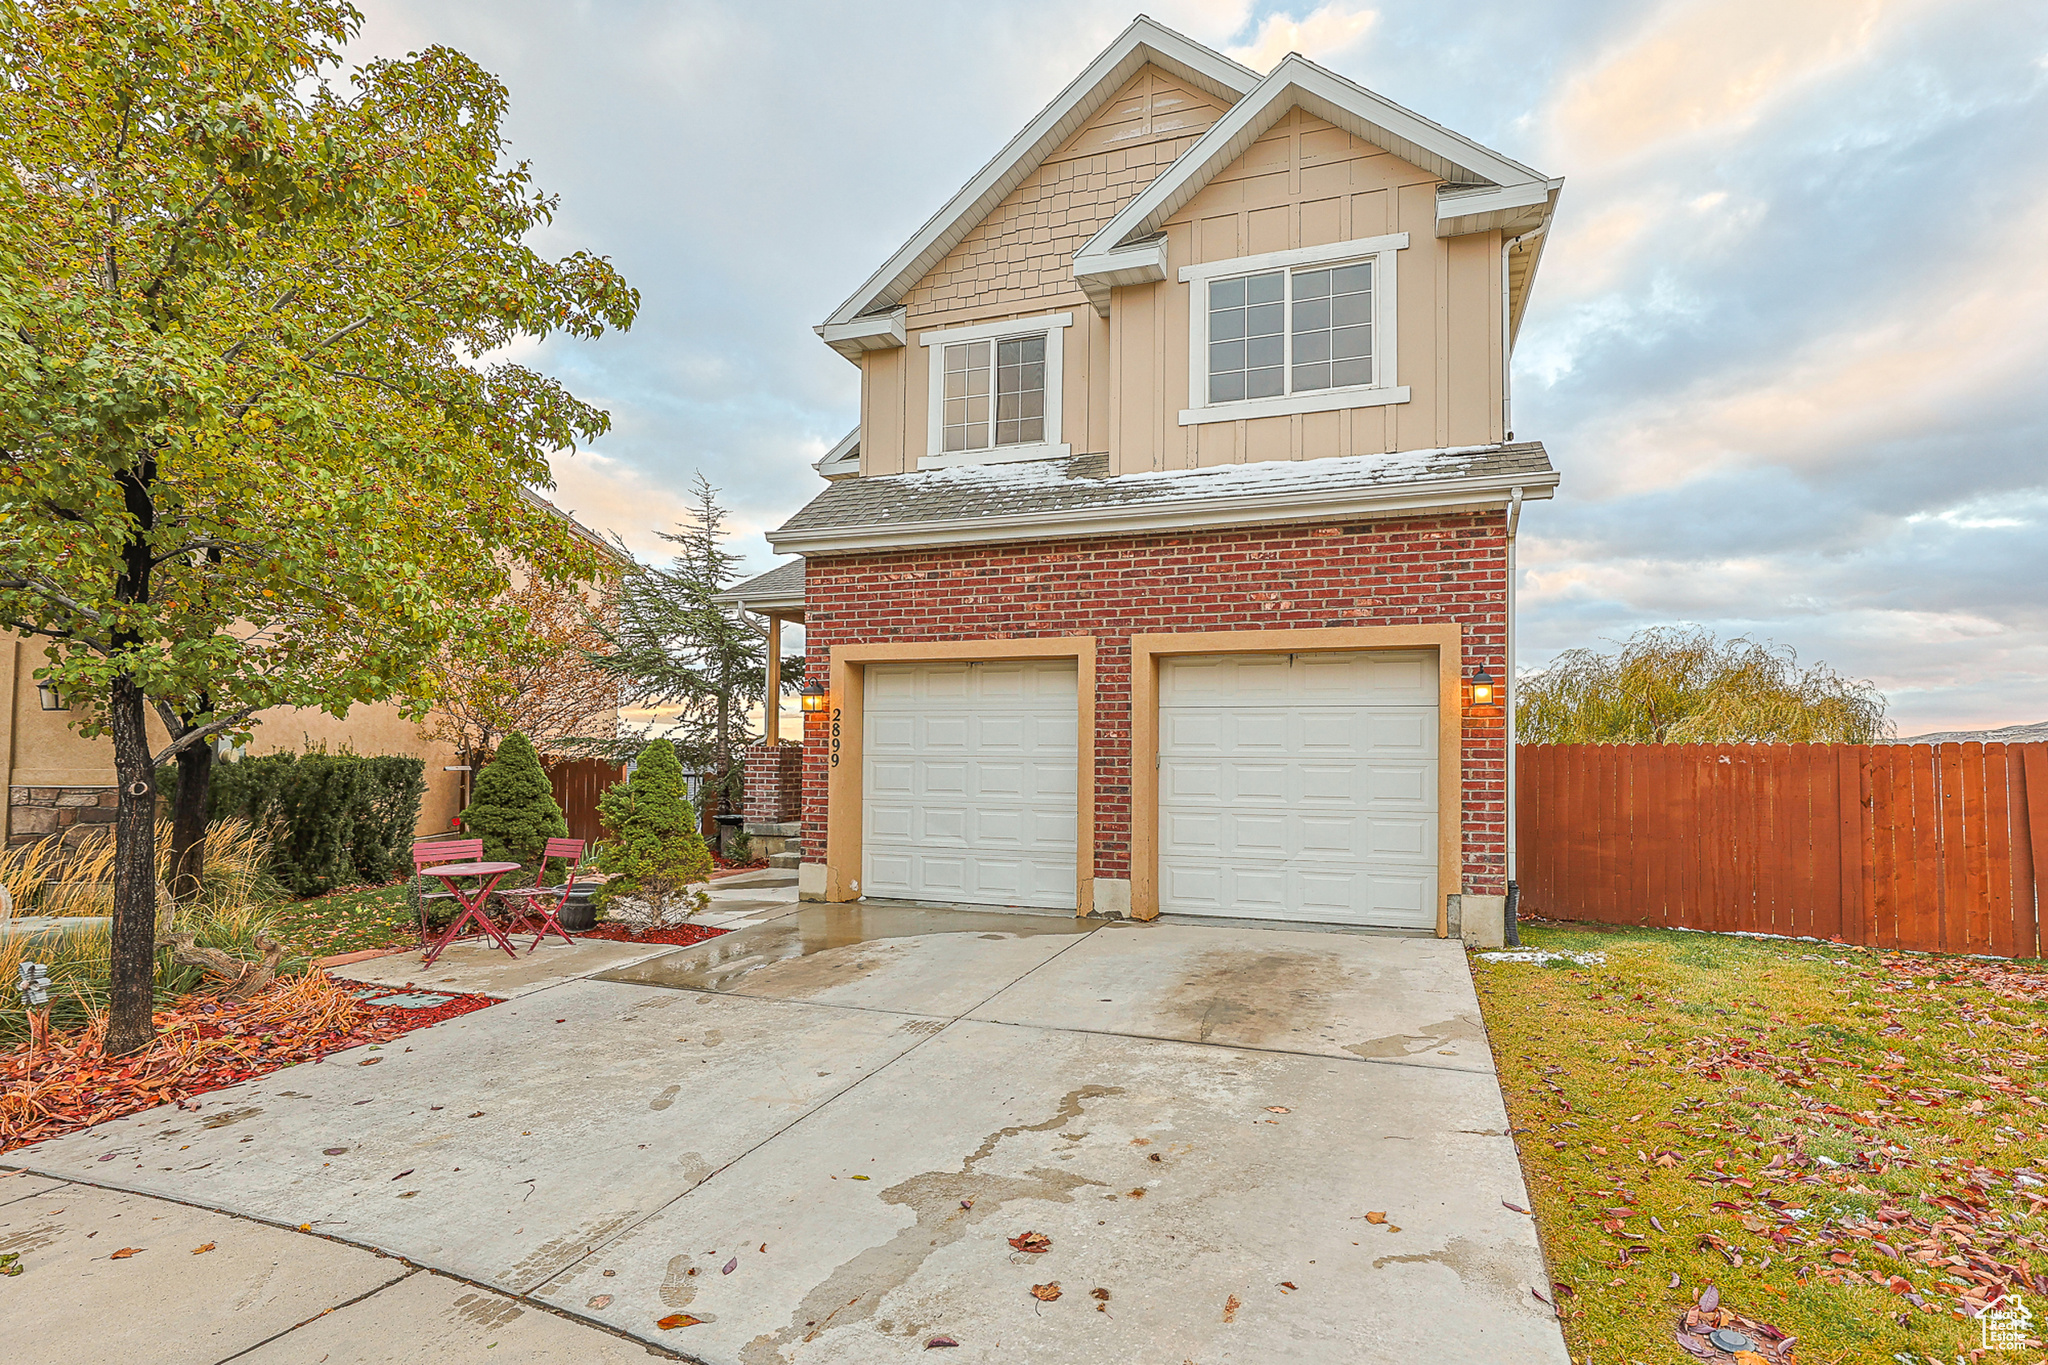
1146 650
844 836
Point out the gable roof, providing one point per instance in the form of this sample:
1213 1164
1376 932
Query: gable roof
1483 190
781 588
1145 41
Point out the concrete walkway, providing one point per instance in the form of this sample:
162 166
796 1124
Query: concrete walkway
814 1137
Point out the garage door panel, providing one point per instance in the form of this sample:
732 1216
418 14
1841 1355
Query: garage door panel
969 782
1300 788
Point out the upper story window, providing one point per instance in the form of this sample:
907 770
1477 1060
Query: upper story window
1292 331
995 391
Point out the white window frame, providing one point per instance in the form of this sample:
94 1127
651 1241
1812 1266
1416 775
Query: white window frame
1386 387
1052 326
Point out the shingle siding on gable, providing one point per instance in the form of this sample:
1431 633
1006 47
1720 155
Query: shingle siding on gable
1421 570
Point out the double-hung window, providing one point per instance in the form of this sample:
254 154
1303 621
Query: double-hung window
995 391
1293 331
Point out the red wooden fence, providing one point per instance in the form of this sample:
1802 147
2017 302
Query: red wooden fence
577 784
1934 848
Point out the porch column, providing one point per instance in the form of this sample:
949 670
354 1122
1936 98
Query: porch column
771 720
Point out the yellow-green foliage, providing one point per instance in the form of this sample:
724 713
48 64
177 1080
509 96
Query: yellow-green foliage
1669 685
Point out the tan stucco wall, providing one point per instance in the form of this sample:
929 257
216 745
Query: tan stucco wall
1018 262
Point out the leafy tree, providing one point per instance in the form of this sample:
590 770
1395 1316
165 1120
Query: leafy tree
513 808
673 646
525 665
1669 685
247 457
656 849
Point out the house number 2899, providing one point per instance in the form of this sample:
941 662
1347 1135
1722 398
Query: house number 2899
835 736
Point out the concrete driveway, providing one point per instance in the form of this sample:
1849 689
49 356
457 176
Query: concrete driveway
815 1136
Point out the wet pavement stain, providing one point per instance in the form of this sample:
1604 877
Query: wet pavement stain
665 1098
232 1116
1427 1039
1476 1265
484 1310
854 1290
557 1253
1249 997
678 1286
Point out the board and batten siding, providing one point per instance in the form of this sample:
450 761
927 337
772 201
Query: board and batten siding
1019 262
1308 183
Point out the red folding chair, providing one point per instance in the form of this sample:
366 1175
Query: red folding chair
545 902
433 853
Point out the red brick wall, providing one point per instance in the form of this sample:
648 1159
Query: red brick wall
773 783
1450 568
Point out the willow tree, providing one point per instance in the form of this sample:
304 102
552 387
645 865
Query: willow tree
248 457
1670 685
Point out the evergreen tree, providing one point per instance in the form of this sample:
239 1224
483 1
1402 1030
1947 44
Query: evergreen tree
513 806
673 646
655 850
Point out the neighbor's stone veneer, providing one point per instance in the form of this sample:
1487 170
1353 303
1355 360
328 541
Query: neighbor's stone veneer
73 812
1425 570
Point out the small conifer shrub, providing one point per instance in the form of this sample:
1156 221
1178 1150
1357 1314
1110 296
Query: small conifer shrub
512 808
655 851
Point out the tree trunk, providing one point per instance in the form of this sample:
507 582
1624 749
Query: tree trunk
132 966
188 823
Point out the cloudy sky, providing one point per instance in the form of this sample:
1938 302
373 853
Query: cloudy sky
1789 346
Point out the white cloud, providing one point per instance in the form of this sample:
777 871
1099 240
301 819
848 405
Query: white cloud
1325 34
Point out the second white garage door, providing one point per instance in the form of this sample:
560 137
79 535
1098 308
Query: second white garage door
969 782
1300 787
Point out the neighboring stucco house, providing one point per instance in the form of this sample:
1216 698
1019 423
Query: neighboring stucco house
1179 522
59 783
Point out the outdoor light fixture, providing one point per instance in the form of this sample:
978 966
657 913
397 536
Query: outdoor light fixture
814 697
1482 688
47 691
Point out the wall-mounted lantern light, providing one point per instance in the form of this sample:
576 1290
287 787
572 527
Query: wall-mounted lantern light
814 697
52 701
1482 688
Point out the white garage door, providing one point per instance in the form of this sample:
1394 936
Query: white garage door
1300 787
969 792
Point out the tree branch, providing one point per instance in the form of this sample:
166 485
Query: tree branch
203 732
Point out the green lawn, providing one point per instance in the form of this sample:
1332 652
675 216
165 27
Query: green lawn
348 921
1844 1142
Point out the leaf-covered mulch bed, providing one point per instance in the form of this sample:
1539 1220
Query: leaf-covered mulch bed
681 935
1850 1148
66 1082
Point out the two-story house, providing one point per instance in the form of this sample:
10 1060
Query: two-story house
1170 567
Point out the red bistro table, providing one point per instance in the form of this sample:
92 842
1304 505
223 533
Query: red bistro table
472 906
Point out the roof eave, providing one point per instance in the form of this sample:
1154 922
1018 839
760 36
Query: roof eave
1144 41
1188 514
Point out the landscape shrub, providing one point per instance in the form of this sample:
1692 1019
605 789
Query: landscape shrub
332 819
655 852
512 808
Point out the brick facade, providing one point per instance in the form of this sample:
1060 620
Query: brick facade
73 812
774 783
1417 571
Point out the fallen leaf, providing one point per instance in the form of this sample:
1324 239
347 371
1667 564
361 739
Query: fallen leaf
1046 1293
1099 1293
675 1320
1230 1307
730 1266
1278 1109
1512 1208
1155 1157
1138 1193
202 1249
599 1301
936 1342
1710 1299
967 1203
478 1114
124 1253
764 1249
1287 1284
403 1174
332 1151
1037 1243
369 1061
860 1177
1376 1216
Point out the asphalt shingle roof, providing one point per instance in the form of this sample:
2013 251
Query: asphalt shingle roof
781 582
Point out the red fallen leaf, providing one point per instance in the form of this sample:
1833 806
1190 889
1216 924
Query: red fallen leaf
124 1253
403 1174
730 1266
1899 1284
332 1151
675 1320
1710 1299
1563 1290
1037 1243
936 1342
1513 1208
1046 1293
369 1061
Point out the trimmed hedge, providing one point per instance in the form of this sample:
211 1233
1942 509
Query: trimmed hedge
333 819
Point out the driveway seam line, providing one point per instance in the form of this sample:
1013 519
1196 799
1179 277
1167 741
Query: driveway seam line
410 1271
1235 1047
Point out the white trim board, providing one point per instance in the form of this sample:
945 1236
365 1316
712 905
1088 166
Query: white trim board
1145 41
1386 387
1053 326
